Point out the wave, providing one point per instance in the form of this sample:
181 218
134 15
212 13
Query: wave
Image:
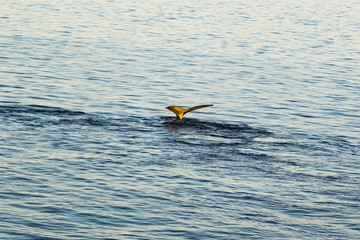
37 109
39 115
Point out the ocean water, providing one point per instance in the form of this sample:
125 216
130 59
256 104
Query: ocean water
88 150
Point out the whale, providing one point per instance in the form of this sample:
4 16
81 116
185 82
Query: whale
180 112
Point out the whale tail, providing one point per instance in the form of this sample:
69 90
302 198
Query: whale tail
180 112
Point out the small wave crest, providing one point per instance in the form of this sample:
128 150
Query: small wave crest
38 109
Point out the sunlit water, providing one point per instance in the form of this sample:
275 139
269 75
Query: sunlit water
88 150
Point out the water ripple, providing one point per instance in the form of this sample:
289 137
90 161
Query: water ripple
86 143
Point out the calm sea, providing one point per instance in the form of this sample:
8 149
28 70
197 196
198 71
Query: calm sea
88 150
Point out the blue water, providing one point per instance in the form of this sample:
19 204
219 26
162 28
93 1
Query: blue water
88 150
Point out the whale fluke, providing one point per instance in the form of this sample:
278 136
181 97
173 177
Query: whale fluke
180 112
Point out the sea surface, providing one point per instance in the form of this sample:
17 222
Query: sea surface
88 150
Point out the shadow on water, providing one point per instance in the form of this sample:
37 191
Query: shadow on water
38 109
43 116
213 136
224 130
192 132
227 146
164 140
188 131
51 115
